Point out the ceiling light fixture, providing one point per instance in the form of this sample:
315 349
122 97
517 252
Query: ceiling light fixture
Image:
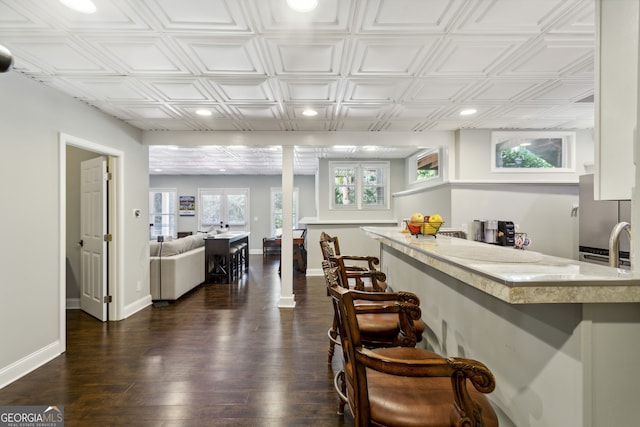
468 112
302 5
203 112
82 6
309 113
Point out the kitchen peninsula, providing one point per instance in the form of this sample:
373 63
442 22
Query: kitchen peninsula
562 337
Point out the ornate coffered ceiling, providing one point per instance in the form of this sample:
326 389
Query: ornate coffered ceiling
363 65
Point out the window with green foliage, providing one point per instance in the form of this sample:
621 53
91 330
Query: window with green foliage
533 151
228 207
359 185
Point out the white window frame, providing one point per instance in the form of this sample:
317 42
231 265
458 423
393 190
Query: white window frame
413 165
296 204
172 230
359 185
224 193
568 150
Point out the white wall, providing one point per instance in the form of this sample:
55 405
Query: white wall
259 197
30 290
473 159
544 212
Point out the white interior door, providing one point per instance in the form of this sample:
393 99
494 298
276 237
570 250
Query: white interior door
93 225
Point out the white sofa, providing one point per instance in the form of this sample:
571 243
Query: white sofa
178 269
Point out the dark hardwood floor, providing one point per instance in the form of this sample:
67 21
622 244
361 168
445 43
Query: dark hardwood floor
222 355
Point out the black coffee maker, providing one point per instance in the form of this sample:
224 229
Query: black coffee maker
506 233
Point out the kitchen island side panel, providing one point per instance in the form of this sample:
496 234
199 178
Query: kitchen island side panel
563 364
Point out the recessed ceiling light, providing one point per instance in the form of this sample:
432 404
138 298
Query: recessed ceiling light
203 112
82 6
468 112
158 170
302 5
309 113
222 170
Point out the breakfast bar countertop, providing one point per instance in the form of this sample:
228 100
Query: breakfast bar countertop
512 275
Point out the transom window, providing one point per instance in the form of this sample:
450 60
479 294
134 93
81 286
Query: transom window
533 151
359 185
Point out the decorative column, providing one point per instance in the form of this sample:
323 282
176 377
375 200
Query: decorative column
287 299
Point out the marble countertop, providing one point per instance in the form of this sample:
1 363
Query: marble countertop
513 275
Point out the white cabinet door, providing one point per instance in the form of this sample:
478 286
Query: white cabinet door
616 97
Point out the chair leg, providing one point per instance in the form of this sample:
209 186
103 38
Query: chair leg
333 338
341 387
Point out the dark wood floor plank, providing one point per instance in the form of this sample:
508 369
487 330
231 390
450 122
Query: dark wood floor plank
223 355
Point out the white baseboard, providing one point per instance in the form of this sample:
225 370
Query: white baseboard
136 306
314 272
73 303
29 363
287 302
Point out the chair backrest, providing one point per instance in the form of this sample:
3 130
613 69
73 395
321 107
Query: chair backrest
357 360
329 245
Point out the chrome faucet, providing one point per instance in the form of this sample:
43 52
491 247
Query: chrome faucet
614 242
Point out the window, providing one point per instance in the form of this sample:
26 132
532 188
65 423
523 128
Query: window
424 165
228 207
359 185
533 151
276 210
162 212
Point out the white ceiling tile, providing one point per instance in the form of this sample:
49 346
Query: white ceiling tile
306 57
142 55
398 56
473 56
194 15
245 91
379 90
55 55
177 91
110 89
309 90
409 15
230 55
438 89
276 16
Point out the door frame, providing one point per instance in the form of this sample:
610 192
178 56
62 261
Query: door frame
115 164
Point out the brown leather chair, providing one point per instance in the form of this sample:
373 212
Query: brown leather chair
406 386
353 265
378 329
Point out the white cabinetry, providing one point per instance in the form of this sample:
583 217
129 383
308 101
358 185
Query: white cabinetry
616 97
